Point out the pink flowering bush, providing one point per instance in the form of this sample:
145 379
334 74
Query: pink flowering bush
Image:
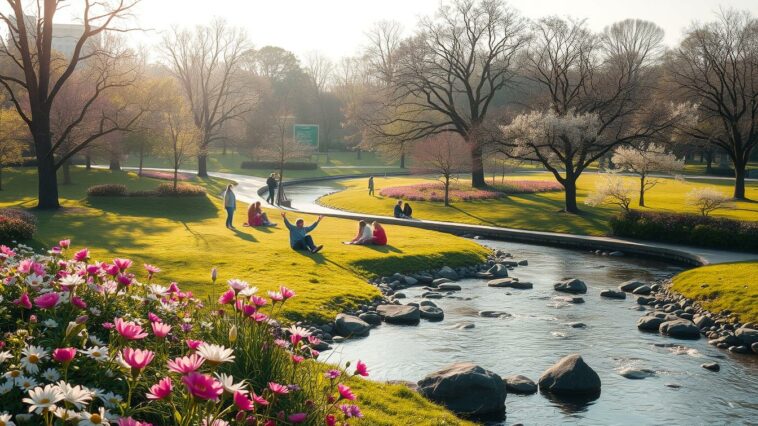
527 186
105 343
156 174
458 192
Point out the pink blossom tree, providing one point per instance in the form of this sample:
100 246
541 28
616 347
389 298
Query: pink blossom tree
445 154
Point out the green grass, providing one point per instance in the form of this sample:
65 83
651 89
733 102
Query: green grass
340 163
724 286
186 238
541 212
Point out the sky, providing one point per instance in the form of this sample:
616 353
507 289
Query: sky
337 28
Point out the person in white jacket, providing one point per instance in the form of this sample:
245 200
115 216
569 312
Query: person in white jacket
365 234
230 204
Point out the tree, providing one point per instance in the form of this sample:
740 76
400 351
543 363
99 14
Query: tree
611 190
13 139
592 93
643 161
320 72
207 64
445 154
181 136
448 75
707 200
33 76
715 69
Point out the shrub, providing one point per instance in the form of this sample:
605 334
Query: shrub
157 174
16 225
273 165
19 214
527 186
692 229
182 190
107 190
707 200
93 338
436 191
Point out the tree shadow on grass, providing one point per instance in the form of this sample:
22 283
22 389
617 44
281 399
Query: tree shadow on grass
177 208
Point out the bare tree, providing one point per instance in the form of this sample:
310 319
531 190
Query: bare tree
320 72
707 200
645 160
611 190
382 52
207 63
594 92
716 69
449 74
444 154
34 77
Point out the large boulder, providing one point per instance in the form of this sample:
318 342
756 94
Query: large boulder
431 313
520 384
703 321
466 389
570 376
351 326
399 314
498 271
748 336
680 329
448 272
642 290
649 323
572 285
631 285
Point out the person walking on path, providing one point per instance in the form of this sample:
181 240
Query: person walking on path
299 238
271 183
370 185
230 204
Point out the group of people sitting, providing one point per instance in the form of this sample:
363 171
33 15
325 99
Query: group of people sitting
256 216
403 211
373 234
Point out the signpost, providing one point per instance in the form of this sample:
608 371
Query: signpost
306 134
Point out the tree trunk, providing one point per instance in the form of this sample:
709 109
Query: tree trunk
1 178
447 191
115 165
570 186
739 180
88 161
642 191
223 148
47 178
708 163
141 158
67 172
402 160
176 176
202 165
358 156
477 166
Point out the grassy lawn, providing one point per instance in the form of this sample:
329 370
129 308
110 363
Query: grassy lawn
724 286
540 212
340 163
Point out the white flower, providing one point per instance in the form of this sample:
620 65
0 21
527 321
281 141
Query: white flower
298 331
77 395
98 353
102 417
25 383
229 385
65 414
215 354
6 387
5 419
208 421
41 399
96 340
96 312
72 280
32 357
237 285
110 399
34 280
51 375
248 291
158 290
50 323
13 375
5 356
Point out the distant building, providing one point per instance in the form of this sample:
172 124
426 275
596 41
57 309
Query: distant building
65 36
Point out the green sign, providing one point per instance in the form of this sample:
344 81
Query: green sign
306 134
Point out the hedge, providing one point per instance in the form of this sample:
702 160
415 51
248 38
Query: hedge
108 190
690 229
163 190
273 165
16 225
182 190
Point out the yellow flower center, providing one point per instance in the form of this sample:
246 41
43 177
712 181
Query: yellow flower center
95 418
2 423
15 373
44 401
33 359
96 354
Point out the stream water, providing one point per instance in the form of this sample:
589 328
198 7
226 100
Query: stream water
538 334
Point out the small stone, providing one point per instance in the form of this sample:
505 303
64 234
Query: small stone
642 290
636 373
494 314
673 385
571 285
519 384
449 287
713 366
432 313
613 294
630 285
577 325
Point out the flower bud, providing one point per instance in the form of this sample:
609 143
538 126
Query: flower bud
233 334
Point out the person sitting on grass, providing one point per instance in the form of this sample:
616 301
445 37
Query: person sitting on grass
407 211
299 238
256 216
379 237
399 210
365 234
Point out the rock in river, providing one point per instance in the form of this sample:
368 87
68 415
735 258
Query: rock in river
748 336
448 287
498 271
466 389
371 317
642 290
494 314
510 283
350 326
613 294
431 313
520 384
448 272
636 373
571 375
680 328
573 285
713 366
399 314
630 285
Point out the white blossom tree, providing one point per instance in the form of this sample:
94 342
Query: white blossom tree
612 189
707 200
643 162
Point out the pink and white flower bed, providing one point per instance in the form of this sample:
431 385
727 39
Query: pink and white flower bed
104 343
436 191
156 174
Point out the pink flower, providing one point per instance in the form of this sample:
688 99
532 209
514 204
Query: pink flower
351 411
332 374
286 293
173 288
112 270
259 399
153 318
186 364
193 344
24 301
122 264
128 421
227 297
47 300
93 269
297 359
137 358
125 280
78 302
25 266
258 301
64 355
361 369
278 389
129 330
5 250
313 340
161 390
259 317
108 325
248 310
297 417
275 296
330 420
345 392
160 329
81 255
151 270
64 243
203 386
242 402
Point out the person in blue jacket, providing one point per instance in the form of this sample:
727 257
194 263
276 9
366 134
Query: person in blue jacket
299 238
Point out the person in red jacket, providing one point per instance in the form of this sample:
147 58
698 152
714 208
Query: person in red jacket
380 236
